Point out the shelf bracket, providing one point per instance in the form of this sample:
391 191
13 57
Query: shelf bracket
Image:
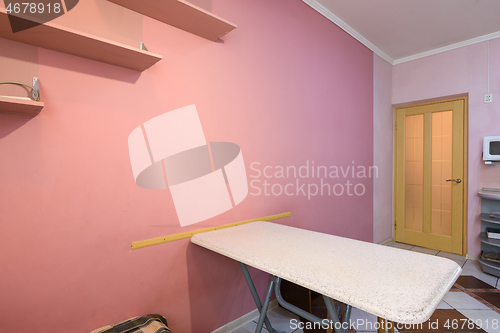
142 46
37 88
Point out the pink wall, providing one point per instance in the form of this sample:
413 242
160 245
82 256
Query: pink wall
460 71
287 86
18 62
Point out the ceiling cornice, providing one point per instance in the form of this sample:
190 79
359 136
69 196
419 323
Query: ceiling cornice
347 28
449 47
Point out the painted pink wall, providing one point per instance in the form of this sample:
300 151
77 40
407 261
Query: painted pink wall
287 86
18 62
460 71
105 19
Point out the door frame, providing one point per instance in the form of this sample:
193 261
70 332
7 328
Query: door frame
465 162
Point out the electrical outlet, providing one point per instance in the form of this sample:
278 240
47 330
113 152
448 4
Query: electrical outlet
488 98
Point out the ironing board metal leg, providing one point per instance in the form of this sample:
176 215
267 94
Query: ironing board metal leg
332 311
292 308
265 306
347 317
256 298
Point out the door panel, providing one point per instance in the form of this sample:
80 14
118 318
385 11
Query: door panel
414 172
441 171
429 187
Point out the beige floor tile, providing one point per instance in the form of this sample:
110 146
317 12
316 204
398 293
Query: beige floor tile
424 250
249 328
283 320
400 245
451 256
488 320
462 301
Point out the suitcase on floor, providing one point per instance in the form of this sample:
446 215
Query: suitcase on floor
152 323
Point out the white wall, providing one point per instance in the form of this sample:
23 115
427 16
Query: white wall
383 146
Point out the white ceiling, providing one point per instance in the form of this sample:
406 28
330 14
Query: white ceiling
403 30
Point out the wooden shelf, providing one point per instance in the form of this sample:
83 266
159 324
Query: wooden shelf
20 106
66 40
181 14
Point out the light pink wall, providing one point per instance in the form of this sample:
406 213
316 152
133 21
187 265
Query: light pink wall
19 63
383 129
460 71
287 86
104 19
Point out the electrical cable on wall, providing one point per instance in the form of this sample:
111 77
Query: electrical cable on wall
488 98
37 98
488 66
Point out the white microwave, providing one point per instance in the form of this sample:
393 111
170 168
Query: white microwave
491 148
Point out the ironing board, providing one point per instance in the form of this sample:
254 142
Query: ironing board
395 284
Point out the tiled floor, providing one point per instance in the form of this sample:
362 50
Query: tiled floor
475 298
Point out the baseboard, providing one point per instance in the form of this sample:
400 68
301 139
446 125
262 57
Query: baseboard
389 241
238 322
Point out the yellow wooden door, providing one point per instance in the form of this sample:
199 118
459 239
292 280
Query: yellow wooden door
430 175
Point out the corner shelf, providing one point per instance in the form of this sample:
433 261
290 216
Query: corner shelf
20 106
486 218
181 14
484 239
489 267
492 195
66 40
490 201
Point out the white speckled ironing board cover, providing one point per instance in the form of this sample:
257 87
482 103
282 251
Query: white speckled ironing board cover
396 284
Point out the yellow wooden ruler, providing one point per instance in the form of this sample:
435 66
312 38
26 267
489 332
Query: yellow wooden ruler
187 234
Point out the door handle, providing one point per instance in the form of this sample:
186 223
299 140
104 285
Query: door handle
458 180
